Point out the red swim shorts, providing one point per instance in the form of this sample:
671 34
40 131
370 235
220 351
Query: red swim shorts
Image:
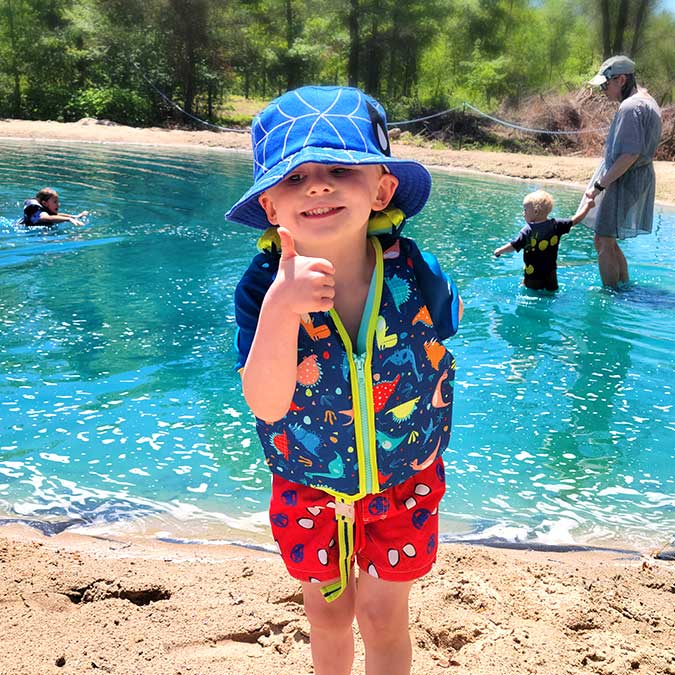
396 531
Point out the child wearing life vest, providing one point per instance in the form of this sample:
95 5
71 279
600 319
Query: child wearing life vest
43 211
539 240
341 322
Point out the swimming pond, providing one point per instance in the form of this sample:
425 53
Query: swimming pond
120 411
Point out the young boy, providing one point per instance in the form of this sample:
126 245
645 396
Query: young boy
43 211
539 239
340 329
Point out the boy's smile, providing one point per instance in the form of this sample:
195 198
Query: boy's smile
327 199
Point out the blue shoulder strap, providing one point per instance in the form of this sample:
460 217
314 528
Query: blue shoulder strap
438 290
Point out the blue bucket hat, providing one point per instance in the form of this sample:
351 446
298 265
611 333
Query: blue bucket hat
325 125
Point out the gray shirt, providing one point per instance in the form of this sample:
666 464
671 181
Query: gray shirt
626 207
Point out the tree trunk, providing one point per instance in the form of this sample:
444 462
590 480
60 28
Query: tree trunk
642 13
374 55
606 46
14 67
620 32
291 63
354 44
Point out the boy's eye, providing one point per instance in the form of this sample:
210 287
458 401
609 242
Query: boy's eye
339 170
294 178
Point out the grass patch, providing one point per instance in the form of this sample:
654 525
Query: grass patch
239 111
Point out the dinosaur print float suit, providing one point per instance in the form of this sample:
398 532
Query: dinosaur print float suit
368 417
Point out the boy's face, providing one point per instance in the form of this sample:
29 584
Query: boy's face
323 201
51 204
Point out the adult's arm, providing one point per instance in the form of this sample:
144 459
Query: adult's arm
620 166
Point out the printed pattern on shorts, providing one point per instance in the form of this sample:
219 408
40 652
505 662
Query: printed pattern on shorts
396 530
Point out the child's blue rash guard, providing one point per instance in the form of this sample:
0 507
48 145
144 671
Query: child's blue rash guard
360 423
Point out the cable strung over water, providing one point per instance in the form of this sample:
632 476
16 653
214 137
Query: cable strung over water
171 102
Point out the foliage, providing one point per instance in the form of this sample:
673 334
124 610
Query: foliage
62 59
113 103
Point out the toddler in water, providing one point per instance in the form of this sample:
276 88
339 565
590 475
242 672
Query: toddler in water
340 328
539 240
43 211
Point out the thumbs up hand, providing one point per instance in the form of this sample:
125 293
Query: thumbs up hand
303 284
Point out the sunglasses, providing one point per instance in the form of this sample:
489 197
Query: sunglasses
605 84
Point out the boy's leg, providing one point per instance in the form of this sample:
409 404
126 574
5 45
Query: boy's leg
331 635
382 614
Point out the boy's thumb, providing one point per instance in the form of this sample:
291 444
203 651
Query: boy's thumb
287 244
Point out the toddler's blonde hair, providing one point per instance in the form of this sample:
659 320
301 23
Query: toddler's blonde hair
541 201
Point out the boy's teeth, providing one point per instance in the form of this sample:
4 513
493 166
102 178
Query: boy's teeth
318 212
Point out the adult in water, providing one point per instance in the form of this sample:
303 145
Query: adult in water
624 184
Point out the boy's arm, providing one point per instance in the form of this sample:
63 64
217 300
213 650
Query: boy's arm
60 218
79 216
507 248
302 285
585 206
517 244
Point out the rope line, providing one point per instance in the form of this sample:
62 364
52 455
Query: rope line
421 119
534 131
498 121
400 123
185 112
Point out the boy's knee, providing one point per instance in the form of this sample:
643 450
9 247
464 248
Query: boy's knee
379 623
324 615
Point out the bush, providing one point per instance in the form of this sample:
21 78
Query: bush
113 103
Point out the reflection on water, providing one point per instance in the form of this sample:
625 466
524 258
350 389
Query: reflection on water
119 406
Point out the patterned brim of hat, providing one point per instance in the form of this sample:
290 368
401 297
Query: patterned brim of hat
326 125
616 65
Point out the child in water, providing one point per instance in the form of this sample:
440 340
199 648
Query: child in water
43 211
539 240
340 328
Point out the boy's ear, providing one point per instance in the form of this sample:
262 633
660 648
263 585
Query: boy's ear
268 207
385 191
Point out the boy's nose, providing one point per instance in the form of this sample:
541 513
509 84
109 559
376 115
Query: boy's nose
319 182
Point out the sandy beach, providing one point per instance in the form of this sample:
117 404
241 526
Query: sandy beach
82 605
74 605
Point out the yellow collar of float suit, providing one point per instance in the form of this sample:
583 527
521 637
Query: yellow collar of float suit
380 222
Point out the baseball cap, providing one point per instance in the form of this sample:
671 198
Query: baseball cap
616 65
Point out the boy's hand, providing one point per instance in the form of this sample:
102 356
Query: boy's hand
586 205
303 284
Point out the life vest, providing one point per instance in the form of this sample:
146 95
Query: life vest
30 208
358 424
361 423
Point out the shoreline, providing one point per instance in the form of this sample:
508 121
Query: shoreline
546 169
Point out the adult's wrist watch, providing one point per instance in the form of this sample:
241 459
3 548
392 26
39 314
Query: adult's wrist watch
598 187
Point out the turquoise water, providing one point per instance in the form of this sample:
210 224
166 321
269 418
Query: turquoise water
120 411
